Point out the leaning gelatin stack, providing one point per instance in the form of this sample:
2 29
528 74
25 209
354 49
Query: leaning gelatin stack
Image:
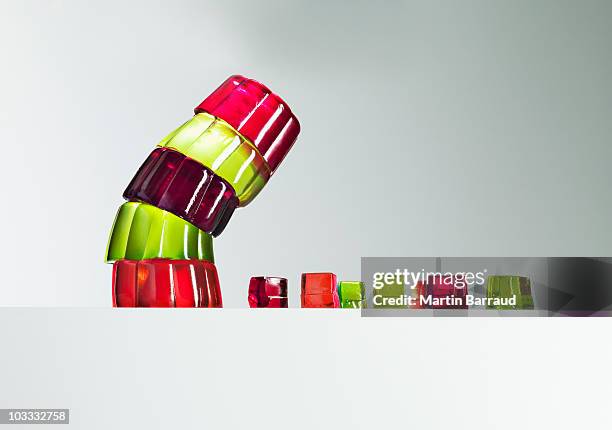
186 191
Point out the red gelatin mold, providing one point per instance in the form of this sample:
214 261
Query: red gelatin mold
257 113
173 182
166 284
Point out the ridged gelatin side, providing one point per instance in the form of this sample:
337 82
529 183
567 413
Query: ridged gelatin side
216 145
166 284
171 181
142 231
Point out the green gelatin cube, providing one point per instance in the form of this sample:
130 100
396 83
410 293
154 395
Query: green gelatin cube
506 288
216 145
391 296
352 294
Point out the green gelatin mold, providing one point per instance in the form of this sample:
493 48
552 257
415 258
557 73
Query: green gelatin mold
142 231
216 145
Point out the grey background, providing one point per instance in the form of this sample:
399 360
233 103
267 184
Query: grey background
429 128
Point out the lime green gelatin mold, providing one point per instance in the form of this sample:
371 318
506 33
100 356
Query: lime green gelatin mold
216 145
507 287
143 231
352 294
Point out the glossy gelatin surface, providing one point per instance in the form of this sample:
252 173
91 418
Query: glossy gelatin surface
319 290
256 113
216 145
142 231
166 284
506 287
171 181
268 292
352 294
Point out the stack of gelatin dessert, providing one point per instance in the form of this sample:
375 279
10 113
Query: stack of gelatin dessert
186 191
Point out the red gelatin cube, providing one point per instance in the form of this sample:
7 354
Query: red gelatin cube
319 290
268 292
443 289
